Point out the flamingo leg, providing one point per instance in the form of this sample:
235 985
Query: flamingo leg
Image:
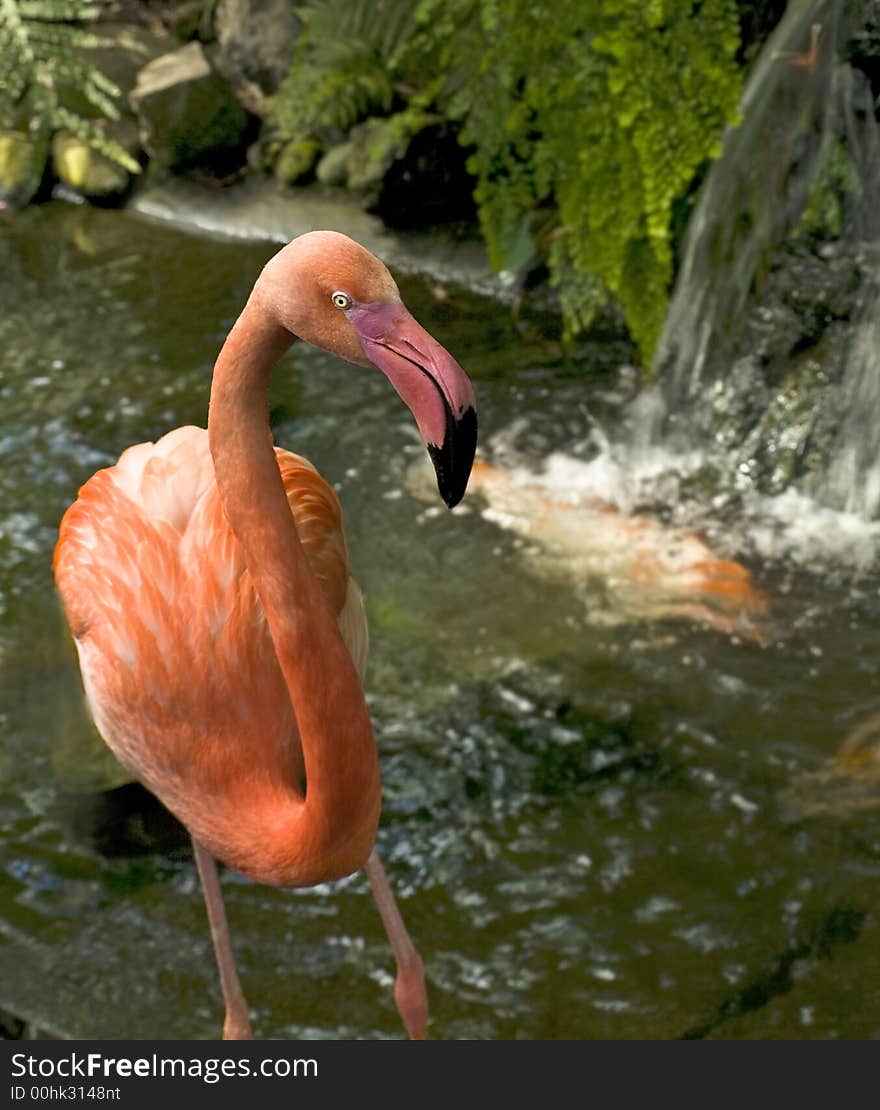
409 987
237 1026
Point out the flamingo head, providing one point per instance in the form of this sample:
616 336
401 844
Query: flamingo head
330 291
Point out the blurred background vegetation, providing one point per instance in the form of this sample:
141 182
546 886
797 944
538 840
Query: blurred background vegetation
576 132
585 122
45 71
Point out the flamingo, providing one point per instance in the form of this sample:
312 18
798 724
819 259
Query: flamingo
221 639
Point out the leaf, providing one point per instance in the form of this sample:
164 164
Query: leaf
41 44
91 132
589 118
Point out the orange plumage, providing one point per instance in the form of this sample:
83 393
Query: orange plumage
177 660
221 639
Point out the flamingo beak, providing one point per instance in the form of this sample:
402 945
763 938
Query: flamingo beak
430 383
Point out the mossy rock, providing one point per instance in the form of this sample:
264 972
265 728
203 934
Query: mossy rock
333 167
296 161
188 116
419 175
256 40
78 165
123 52
376 144
23 160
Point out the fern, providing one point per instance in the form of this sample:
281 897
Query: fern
587 122
353 58
606 111
41 44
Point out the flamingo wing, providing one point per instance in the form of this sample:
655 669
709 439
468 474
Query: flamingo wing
177 661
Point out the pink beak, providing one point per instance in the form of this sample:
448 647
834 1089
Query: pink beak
430 383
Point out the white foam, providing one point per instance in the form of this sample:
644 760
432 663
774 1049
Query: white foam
794 526
791 526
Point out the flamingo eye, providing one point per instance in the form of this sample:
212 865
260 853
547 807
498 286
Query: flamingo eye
341 300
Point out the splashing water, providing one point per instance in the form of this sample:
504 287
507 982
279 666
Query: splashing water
853 478
753 195
787 427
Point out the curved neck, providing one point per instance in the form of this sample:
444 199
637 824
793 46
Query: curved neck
329 832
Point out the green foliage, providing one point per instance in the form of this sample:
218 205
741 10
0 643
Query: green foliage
41 45
603 111
351 58
835 181
587 121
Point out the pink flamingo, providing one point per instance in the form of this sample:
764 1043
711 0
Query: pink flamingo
221 639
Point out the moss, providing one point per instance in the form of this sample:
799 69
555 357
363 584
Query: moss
587 122
835 179
386 613
80 166
22 163
605 111
296 160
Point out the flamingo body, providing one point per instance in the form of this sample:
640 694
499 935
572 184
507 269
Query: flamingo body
177 660
222 641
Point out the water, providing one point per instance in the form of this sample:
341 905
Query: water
853 477
770 354
600 823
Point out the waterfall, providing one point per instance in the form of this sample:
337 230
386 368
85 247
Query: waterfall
752 195
852 481
803 102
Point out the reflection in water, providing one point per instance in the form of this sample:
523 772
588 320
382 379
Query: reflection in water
844 785
582 817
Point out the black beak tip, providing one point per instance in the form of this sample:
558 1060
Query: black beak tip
454 458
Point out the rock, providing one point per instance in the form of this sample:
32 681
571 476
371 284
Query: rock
256 39
296 160
122 53
376 144
407 169
188 116
83 168
428 182
22 165
263 153
333 167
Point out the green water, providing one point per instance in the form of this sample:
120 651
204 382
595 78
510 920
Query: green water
582 819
